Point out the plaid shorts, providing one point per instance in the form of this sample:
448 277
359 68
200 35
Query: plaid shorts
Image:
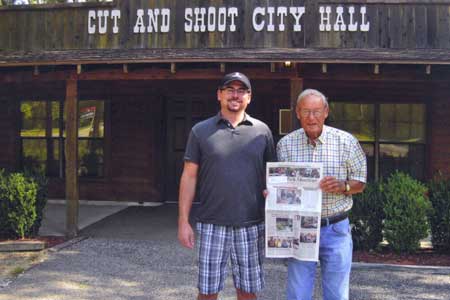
245 245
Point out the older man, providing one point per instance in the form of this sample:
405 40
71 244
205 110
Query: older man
344 174
225 162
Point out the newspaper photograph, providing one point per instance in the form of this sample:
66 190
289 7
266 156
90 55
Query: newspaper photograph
293 210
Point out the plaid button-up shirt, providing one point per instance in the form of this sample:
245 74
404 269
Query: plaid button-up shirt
341 155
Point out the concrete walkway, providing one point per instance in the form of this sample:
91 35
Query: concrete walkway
90 212
134 254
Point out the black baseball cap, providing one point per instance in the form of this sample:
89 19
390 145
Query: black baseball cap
236 76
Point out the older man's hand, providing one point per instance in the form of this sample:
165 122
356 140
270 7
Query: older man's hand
330 184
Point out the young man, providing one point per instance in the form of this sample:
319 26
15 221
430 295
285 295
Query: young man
344 174
225 168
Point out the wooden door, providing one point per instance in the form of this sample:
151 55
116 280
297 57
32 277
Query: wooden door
182 114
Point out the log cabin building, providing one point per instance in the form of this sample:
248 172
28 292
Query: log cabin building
101 95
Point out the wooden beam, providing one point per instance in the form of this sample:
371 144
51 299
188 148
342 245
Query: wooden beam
173 68
79 69
147 73
182 74
324 68
296 89
222 68
71 152
125 68
357 72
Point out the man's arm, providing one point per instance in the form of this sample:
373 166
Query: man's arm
356 172
356 187
330 184
188 185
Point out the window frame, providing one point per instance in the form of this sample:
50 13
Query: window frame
49 138
377 134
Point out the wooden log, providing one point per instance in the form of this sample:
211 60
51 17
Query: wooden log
71 151
296 89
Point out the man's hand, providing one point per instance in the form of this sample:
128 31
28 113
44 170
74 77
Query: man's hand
186 234
265 193
330 184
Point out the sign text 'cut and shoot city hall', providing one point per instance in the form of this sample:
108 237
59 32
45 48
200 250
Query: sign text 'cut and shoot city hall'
334 18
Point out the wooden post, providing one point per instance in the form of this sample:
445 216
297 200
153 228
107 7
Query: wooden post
296 89
71 151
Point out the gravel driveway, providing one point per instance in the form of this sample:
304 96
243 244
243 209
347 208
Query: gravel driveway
108 266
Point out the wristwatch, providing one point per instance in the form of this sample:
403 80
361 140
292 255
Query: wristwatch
347 187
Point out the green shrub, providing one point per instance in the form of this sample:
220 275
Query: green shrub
17 204
406 211
439 217
367 216
41 199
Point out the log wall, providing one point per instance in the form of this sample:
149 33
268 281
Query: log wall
393 25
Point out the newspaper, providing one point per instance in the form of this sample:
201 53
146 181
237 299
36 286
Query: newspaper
293 210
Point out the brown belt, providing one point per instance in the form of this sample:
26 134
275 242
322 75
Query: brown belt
333 219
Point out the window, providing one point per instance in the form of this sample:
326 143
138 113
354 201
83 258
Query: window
391 135
90 138
42 137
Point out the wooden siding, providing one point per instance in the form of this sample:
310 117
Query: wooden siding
440 130
8 132
33 35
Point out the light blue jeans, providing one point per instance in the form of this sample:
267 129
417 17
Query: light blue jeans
335 255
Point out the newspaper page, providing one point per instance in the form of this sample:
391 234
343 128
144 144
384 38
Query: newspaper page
293 210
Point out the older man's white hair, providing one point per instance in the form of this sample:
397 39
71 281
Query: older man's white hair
309 92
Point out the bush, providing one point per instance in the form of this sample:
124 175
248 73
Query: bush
41 199
18 205
406 211
439 217
367 217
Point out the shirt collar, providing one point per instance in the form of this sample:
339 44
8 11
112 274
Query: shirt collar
246 121
321 139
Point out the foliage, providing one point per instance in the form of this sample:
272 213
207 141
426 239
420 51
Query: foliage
41 199
367 217
439 217
406 209
17 205
22 200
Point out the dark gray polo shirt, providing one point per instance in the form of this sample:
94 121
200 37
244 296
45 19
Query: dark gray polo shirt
232 166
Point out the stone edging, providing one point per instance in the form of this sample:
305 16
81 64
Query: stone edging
18 245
